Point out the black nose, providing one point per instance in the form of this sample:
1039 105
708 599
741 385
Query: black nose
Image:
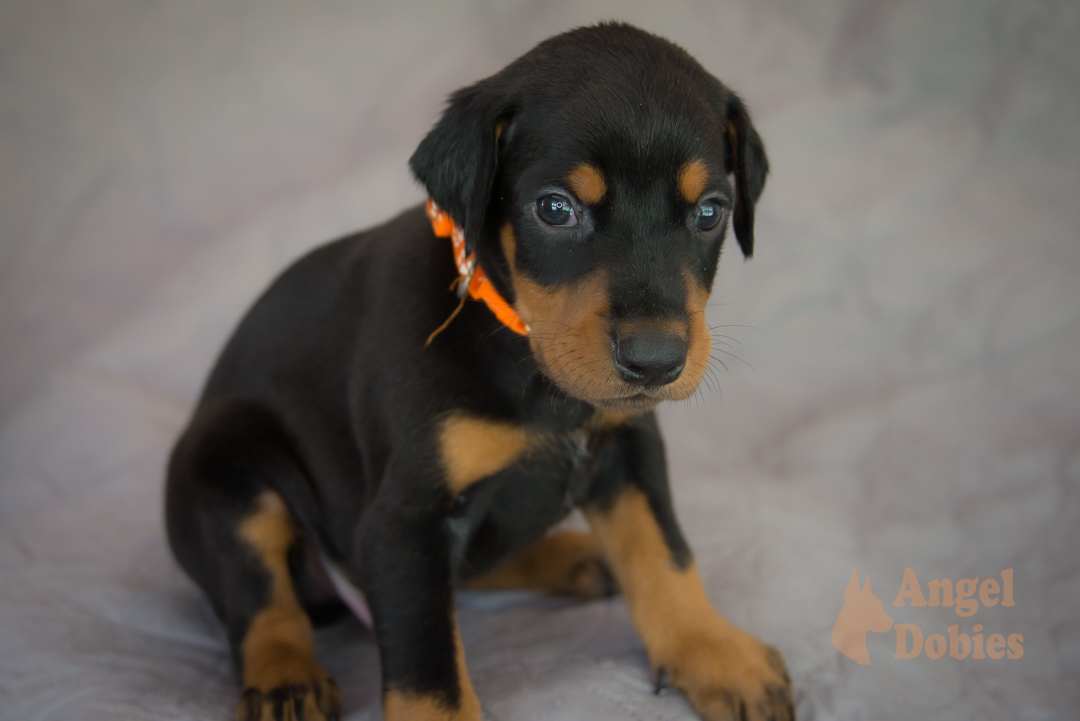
650 359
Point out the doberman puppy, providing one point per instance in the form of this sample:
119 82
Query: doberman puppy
414 440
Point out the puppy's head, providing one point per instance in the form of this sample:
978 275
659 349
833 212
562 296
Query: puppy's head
592 178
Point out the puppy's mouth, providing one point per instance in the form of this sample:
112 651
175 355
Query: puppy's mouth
635 404
604 389
608 393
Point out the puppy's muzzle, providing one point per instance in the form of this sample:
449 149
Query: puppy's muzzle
650 359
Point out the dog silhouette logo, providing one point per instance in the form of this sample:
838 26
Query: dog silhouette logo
861 613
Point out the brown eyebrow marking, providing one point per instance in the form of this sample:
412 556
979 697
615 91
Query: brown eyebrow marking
693 177
588 183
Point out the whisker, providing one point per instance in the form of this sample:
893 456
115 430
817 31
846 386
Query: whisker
549 322
722 363
721 350
732 325
716 380
708 382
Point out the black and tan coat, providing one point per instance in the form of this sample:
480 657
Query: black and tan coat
593 179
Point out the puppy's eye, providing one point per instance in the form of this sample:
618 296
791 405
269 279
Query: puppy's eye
556 210
709 214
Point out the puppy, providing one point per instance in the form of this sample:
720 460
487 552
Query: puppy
415 406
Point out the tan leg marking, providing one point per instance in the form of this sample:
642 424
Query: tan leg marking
722 670
473 448
588 183
399 706
564 564
693 179
278 650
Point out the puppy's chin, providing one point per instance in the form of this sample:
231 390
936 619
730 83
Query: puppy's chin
631 405
627 399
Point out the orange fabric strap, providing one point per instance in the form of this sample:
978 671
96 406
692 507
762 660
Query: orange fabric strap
471 277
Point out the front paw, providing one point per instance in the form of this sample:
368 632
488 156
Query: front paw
728 675
315 701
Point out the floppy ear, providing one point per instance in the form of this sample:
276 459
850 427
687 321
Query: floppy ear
456 161
750 166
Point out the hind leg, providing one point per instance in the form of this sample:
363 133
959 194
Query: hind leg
570 563
233 535
277 651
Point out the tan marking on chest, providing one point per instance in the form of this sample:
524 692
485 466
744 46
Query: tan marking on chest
605 420
472 448
588 183
693 179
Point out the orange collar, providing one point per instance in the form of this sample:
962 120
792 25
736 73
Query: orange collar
471 277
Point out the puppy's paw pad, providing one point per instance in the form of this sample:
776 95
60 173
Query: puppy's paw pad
772 703
316 701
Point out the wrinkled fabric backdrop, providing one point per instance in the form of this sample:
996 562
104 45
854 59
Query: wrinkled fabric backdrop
903 388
